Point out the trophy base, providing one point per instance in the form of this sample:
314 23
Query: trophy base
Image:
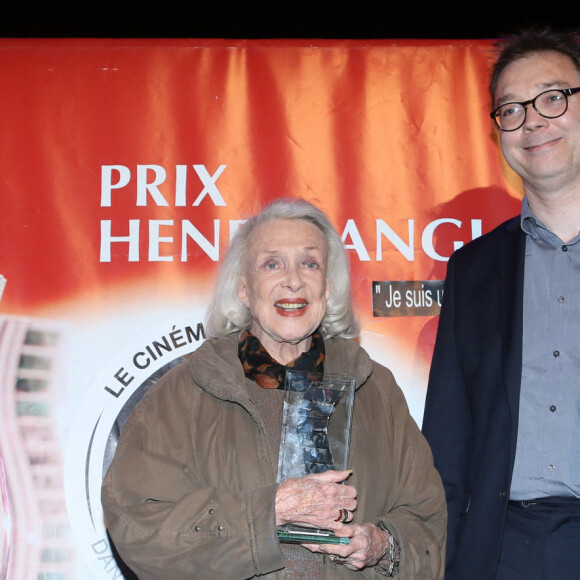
294 534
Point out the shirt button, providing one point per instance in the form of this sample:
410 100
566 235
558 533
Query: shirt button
564 248
552 467
560 299
553 408
556 353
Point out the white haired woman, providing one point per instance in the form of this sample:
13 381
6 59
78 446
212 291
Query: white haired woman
192 491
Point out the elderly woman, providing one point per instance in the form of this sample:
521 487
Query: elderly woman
192 490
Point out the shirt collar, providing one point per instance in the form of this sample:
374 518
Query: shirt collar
532 226
528 220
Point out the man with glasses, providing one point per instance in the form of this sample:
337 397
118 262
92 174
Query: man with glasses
502 413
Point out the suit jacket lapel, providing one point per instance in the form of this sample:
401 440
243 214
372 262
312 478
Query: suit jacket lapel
511 274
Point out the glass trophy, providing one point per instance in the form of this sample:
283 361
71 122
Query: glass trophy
315 437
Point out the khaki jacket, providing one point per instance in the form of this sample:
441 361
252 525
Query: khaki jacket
190 492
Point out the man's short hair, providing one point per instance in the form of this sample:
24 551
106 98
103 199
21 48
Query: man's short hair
530 41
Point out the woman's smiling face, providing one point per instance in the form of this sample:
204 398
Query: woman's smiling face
284 285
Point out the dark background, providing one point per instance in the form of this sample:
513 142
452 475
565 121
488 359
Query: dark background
282 19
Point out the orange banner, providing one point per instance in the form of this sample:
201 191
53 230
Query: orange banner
126 166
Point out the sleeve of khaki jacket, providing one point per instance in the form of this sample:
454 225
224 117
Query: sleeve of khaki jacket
164 523
416 511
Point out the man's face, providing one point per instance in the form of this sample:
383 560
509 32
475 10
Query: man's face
544 152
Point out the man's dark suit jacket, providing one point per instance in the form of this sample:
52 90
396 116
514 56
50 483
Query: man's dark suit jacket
471 411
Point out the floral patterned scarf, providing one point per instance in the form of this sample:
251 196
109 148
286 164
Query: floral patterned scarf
270 374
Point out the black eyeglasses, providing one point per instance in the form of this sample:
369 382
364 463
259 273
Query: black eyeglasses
550 104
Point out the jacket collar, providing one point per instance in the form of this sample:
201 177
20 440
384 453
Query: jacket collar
216 368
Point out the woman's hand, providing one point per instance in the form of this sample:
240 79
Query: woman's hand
368 546
316 500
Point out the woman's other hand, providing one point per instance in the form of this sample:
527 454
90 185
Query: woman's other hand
368 546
